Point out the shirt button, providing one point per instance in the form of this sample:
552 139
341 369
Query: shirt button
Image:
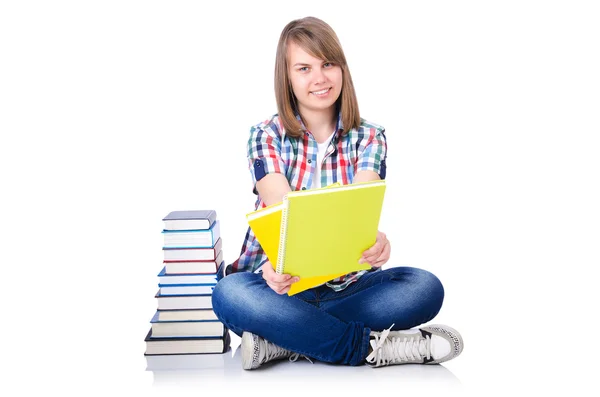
303 188
309 161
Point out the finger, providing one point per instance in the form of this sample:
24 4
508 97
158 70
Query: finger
383 258
383 255
372 258
375 251
276 278
281 278
371 254
279 289
375 248
377 264
284 290
279 285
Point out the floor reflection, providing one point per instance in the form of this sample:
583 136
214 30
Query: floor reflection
226 369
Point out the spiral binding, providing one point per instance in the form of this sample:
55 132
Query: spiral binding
282 237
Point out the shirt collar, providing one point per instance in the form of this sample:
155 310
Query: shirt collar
338 125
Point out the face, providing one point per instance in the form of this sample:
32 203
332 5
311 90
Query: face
316 83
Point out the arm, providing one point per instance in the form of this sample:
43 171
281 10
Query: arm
266 164
272 188
268 173
372 170
366 176
370 163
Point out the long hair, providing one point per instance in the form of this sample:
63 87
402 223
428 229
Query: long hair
318 39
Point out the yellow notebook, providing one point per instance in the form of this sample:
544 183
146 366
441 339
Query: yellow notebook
322 232
266 224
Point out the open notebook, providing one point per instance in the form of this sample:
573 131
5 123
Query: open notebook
320 234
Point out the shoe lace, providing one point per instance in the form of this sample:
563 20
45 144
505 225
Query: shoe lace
294 357
272 352
398 349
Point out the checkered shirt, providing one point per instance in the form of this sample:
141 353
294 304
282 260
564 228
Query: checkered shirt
271 150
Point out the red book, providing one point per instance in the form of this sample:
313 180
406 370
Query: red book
193 266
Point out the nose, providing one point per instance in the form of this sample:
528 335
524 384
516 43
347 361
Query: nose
319 76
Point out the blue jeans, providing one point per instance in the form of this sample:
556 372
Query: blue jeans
320 323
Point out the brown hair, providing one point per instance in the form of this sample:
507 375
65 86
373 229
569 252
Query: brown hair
318 39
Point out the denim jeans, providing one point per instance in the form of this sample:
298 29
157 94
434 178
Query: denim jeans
320 323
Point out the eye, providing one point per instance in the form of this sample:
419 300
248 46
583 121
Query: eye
327 65
303 69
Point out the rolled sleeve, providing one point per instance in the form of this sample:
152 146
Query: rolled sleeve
264 153
373 157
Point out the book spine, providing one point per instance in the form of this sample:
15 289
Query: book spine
282 237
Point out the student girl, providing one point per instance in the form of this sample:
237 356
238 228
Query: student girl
317 137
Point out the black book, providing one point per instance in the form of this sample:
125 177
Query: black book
187 345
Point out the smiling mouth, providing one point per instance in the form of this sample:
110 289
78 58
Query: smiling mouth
322 92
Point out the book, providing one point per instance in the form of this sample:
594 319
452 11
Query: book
182 279
322 232
199 289
190 220
186 315
183 267
326 230
200 301
161 328
193 254
266 225
187 345
176 364
200 238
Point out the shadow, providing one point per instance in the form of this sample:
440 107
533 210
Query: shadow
225 370
192 369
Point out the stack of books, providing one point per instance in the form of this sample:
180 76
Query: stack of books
184 322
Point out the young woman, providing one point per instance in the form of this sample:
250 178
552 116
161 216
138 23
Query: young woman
318 138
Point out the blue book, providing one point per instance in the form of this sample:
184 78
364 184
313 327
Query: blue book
199 238
165 279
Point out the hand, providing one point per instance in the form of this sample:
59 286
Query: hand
379 253
280 283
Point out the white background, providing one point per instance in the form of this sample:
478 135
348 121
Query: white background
114 113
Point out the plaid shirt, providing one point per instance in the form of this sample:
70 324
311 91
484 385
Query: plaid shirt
270 150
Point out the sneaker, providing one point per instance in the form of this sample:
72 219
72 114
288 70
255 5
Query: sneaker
257 351
432 344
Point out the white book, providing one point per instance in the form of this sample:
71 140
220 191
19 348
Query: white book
166 290
186 315
170 302
175 329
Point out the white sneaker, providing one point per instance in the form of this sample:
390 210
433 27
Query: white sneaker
257 351
432 344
